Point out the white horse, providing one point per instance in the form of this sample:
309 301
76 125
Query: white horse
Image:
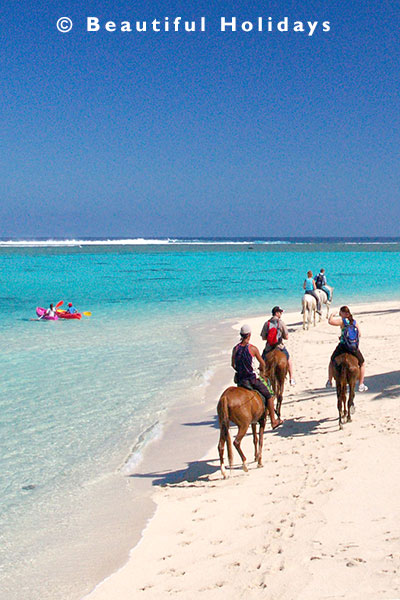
309 307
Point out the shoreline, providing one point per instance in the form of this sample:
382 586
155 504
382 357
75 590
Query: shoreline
205 468
172 456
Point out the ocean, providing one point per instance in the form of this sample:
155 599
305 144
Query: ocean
81 400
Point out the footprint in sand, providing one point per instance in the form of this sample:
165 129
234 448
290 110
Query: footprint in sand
175 573
354 562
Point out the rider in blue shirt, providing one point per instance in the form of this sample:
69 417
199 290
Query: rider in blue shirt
309 288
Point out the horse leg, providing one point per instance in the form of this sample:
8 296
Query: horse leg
240 435
279 395
261 439
278 404
339 401
339 406
255 440
304 315
351 401
320 312
221 446
272 380
341 394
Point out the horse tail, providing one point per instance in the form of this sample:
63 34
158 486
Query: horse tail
224 426
341 383
280 375
344 375
353 373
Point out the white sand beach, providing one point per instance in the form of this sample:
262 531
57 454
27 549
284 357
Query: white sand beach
320 520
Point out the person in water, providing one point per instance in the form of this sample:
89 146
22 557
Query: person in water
343 320
71 309
242 361
282 334
50 312
310 287
322 284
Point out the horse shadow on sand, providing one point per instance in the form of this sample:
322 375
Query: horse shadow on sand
381 386
299 428
211 423
195 471
384 385
385 311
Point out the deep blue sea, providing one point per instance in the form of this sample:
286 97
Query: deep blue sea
80 399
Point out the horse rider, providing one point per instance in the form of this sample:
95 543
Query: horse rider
345 320
310 287
242 361
282 334
322 284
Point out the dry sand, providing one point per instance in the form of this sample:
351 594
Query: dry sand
320 520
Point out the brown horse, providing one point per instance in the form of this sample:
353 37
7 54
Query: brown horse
243 407
345 371
276 368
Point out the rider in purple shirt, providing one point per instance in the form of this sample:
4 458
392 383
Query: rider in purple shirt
242 361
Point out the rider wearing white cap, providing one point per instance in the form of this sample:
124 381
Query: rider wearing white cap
242 361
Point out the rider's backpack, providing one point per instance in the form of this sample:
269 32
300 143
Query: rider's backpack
319 281
274 335
350 337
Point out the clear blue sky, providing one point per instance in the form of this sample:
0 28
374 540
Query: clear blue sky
200 134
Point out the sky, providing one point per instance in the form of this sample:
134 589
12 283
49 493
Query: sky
174 134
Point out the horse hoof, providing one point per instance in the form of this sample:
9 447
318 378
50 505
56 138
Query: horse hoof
223 472
260 466
245 469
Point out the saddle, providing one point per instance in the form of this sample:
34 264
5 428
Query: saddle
247 386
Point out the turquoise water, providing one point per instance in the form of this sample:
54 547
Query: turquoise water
80 398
